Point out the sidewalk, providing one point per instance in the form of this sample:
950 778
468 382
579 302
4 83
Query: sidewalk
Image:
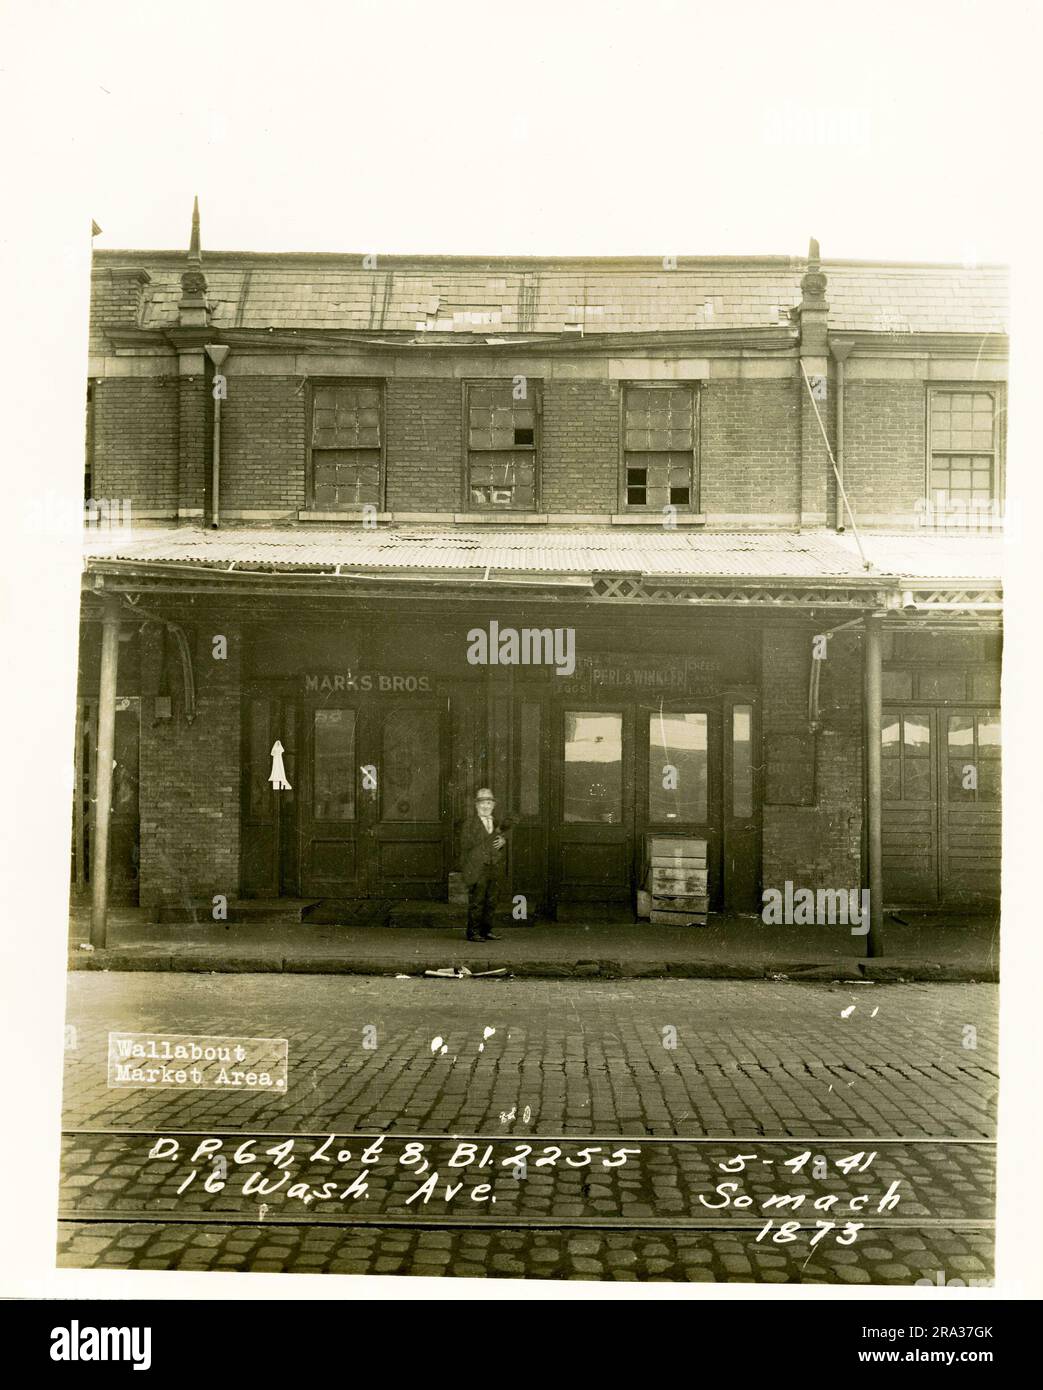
729 948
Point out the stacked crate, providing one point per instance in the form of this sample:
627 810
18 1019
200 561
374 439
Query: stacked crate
677 881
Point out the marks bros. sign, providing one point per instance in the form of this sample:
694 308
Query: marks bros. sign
353 682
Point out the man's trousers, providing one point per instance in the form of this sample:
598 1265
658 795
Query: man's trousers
481 900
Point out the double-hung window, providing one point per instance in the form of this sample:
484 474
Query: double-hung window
346 445
503 422
660 446
963 453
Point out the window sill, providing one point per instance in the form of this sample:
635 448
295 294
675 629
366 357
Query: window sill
352 517
658 519
499 518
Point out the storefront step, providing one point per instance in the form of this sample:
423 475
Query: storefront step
253 910
439 914
597 913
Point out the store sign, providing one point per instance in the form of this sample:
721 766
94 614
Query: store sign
356 682
684 674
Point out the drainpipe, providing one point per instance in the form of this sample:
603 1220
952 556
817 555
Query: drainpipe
841 349
217 354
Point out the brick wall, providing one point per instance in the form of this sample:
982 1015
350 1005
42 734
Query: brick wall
189 775
581 446
813 783
424 443
136 440
193 448
885 447
263 443
151 443
750 447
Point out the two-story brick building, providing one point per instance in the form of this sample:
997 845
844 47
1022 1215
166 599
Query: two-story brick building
369 495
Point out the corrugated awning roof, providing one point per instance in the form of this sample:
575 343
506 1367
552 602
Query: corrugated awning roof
461 551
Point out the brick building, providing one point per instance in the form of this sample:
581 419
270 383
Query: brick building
756 501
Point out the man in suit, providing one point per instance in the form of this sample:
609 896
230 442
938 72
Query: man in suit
481 854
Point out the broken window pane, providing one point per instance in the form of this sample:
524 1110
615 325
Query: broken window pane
501 439
346 431
659 443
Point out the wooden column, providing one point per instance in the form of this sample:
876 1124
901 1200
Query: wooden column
874 810
110 641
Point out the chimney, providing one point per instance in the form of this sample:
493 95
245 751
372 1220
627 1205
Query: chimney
124 298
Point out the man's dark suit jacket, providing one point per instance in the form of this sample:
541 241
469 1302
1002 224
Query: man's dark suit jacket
478 856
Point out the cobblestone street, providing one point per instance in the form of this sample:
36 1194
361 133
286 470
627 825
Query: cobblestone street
523 1063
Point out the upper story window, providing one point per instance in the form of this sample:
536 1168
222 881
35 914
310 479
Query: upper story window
660 446
503 419
346 445
963 456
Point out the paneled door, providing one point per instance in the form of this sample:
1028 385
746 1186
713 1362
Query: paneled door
941 806
367 812
678 778
405 800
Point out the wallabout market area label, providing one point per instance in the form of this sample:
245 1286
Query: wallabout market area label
187 1062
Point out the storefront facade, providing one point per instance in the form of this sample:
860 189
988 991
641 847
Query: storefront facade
643 579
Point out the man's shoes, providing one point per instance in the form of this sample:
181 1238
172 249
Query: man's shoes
473 938
490 936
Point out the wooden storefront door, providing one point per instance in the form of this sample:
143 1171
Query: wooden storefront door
941 806
594 811
678 778
623 772
367 812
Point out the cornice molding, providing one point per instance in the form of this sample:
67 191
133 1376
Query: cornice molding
566 344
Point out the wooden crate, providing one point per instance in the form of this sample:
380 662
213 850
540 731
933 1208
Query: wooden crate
677 880
678 851
672 881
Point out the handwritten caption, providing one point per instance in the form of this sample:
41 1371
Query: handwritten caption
806 1196
414 1156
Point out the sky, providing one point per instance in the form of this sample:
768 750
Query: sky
661 127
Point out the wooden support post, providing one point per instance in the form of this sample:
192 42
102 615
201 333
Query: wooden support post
874 810
110 641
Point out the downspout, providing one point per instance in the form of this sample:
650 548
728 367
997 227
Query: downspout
841 349
217 354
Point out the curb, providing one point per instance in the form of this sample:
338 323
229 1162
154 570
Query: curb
874 971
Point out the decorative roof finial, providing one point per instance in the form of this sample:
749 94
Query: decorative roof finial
194 253
813 282
193 310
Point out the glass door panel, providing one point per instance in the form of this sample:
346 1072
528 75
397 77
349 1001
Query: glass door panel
593 773
410 766
333 764
678 767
